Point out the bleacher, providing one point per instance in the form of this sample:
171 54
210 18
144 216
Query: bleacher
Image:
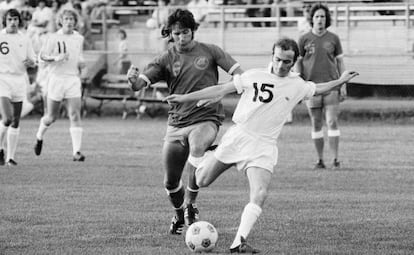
379 47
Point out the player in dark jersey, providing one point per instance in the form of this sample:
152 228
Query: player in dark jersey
187 66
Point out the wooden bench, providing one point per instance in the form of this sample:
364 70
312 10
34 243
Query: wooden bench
96 25
114 87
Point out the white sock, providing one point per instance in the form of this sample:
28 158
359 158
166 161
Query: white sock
76 134
249 217
12 140
3 131
42 129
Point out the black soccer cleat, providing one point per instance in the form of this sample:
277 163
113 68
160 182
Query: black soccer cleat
191 214
243 247
79 157
336 164
212 147
177 226
38 147
319 165
2 162
11 162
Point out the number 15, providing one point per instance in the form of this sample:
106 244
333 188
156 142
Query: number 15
265 90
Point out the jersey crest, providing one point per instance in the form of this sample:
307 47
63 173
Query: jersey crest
176 68
201 63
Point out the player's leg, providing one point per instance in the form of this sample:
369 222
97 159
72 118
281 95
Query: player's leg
199 139
13 133
209 170
74 111
332 113
259 180
51 115
6 112
316 116
174 156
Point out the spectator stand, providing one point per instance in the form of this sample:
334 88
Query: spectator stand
107 87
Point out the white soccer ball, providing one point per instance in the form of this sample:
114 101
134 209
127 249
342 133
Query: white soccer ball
201 236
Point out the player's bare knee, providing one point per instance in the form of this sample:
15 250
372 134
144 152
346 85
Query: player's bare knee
169 185
259 196
332 123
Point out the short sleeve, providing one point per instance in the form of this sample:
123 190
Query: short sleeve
237 79
311 89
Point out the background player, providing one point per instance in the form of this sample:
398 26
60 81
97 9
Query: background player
267 97
321 60
16 54
63 52
186 66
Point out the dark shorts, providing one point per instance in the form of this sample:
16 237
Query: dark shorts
321 101
181 134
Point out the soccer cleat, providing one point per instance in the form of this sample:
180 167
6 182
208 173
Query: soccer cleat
319 165
78 157
212 147
336 164
191 214
11 162
2 162
38 147
177 226
243 247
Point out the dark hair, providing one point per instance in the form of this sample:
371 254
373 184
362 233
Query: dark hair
12 13
287 44
184 18
327 14
123 32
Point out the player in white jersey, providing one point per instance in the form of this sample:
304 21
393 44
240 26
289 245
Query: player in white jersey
267 97
16 54
63 52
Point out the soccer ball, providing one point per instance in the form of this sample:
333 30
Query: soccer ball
201 236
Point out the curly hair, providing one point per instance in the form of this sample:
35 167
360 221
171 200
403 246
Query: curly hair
67 12
319 6
181 17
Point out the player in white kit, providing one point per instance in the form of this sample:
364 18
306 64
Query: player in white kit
16 54
267 97
63 52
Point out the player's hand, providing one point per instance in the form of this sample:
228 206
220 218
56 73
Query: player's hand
174 98
28 62
132 74
60 57
348 75
207 102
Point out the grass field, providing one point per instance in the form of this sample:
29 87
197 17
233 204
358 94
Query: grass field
115 203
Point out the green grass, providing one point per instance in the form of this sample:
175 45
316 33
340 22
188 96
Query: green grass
115 203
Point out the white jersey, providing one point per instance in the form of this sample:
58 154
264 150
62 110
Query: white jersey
267 100
60 43
14 49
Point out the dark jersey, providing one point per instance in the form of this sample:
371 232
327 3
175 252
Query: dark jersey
188 72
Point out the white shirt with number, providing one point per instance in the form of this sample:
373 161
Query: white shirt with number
14 49
60 43
266 101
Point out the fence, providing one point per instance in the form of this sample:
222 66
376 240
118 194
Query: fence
372 42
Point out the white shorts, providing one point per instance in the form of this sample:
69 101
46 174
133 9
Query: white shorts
13 86
60 87
239 148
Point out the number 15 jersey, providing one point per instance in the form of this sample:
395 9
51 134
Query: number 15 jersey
267 100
